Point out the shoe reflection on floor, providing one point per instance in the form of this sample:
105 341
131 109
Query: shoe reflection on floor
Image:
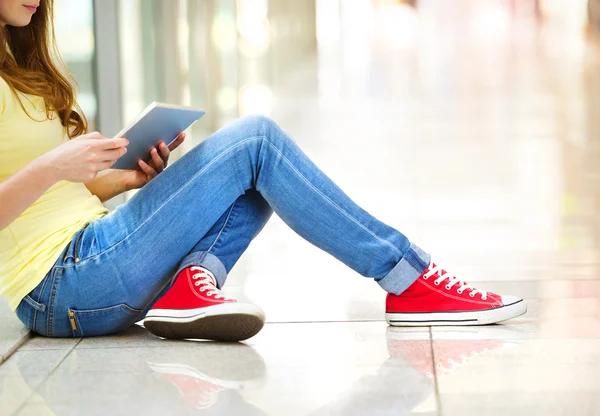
406 379
171 379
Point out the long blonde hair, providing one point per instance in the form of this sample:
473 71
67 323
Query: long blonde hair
26 65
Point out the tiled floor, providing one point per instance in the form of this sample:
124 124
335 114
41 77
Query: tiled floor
471 128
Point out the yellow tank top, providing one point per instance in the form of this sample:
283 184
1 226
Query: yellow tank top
33 242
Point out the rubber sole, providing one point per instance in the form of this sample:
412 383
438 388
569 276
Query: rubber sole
481 317
226 328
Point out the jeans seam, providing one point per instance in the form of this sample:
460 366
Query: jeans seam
331 202
51 303
124 306
111 248
34 322
222 228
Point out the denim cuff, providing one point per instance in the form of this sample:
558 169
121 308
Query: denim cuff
407 271
208 261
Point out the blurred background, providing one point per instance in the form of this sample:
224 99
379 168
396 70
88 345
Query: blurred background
450 114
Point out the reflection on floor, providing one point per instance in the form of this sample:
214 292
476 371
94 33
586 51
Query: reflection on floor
471 127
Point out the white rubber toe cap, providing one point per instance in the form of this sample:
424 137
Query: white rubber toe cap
509 300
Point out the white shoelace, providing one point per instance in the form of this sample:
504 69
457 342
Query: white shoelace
206 282
452 280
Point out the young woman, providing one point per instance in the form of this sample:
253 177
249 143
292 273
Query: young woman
71 269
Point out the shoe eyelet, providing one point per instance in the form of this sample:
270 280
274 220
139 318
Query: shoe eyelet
197 284
448 287
471 294
460 292
425 277
482 298
436 283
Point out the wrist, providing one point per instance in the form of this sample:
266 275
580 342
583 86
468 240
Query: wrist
47 172
124 183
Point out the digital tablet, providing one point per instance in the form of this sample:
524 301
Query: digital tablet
158 122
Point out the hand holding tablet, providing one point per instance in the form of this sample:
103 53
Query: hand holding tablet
157 123
159 158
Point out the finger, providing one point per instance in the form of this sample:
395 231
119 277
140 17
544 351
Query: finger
147 169
164 152
107 164
115 143
112 155
175 144
157 163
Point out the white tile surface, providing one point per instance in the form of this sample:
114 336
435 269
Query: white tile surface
23 373
295 369
530 377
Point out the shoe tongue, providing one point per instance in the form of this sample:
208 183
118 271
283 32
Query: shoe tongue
447 275
439 273
211 278
214 282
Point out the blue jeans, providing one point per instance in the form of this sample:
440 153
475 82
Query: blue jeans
204 210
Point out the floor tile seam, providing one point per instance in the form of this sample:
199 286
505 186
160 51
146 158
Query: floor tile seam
15 347
438 400
43 349
35 391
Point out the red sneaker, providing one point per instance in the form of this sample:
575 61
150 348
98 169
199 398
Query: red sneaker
438 298
195 308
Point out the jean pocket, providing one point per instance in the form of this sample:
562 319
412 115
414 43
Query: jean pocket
28 309
40 307
82 246
104 321
26 313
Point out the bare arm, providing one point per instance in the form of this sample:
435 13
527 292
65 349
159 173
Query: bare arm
78 160
21 190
